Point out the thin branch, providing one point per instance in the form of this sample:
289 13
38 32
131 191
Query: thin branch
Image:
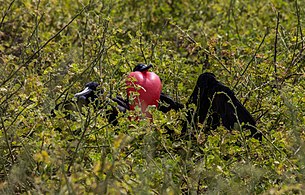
6 12
141 43
68 182
204 50
19 113
41 48
95 60
299 22
253 57
295 60
7 141
86 125
236 25
229 13
10 95
275 43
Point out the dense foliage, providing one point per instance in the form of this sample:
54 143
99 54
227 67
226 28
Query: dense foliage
50 49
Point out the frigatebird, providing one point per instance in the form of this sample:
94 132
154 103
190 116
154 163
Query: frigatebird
89 95
167 103
143 89
217 104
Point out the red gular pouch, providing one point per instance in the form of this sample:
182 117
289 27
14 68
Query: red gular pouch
143 89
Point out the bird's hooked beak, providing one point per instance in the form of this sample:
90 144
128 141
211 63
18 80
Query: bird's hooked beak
142 67
86 91
148 67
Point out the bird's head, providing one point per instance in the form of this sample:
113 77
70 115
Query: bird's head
142 67
206 80
89 93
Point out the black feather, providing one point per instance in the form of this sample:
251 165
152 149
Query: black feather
218 102
170 104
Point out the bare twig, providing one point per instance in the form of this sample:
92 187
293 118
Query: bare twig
6 140
275 44
229 13
299 22
41 48
95 60
236 26
154 44
86 125
296 57
253 57
204 50
10 95
141 43
6 129
6 12
68 182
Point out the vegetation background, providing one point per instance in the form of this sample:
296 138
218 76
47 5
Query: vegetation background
50 49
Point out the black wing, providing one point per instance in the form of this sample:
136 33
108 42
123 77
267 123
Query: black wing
122 104
201 97
170 104
121 107
231 111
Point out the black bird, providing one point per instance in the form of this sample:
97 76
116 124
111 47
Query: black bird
217 102
83 99
90 94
